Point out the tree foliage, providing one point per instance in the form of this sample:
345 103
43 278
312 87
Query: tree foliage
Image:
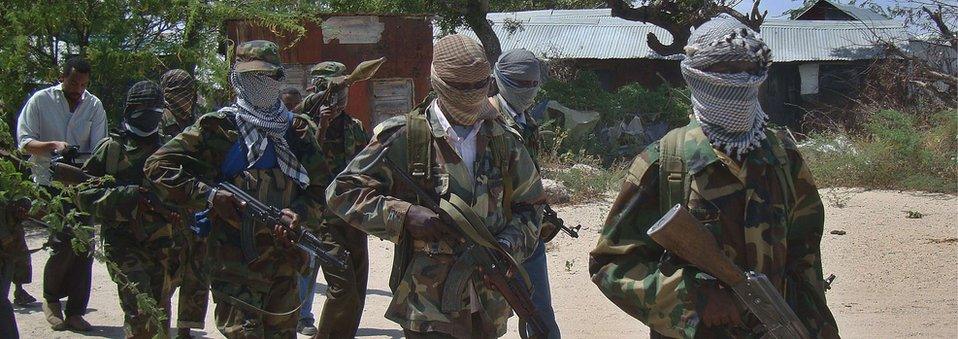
125 41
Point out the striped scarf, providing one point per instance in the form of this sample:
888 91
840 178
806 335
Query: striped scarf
726 104
260 123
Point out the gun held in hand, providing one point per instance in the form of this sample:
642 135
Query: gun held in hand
682 234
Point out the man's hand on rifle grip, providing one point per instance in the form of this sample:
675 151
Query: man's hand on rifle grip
283 233
424 224
227 208
717 306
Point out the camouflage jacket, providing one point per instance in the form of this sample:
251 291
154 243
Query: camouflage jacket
744 206
116 205
368 197
170 125
183 170
13 244
342 140
529 131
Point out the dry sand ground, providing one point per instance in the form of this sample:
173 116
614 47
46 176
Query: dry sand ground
896 276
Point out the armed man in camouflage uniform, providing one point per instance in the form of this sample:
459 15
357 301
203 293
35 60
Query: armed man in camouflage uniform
189 268
747 183
454 147
264 149
13 248
518 78
341 138
136 237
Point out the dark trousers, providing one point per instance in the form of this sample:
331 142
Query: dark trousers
346 295
8 323
68 274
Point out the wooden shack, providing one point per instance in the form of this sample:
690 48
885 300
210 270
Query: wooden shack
405 41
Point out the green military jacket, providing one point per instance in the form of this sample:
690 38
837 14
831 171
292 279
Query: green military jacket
744 207
367 196
13 244
170 125
116 205
528 131
342 140
182 172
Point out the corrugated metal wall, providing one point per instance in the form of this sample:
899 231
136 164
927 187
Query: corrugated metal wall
405 41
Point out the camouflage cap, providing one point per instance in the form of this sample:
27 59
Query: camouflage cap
257 55
328 69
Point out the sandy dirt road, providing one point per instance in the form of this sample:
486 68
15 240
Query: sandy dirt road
897 277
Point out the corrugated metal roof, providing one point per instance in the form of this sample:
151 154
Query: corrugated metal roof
595 34
854 11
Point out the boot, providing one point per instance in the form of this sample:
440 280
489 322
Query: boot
54 315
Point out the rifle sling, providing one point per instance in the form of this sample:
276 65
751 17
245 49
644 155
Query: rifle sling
471 226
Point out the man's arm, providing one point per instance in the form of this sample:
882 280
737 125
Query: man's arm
311 204
625 263
177 167
361 193
28 131
806 290
522 233
107 202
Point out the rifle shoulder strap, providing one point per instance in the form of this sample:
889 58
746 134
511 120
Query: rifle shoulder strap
418 147
112 155
674 182
501 157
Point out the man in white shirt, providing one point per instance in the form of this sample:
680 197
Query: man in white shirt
52 120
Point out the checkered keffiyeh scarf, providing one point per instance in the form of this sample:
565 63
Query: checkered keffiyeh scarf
179 90
260 122
457 58
726 105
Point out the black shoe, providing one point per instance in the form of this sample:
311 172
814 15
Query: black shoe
183 333
305 327
22 298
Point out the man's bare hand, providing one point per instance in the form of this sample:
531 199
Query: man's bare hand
57 146
284 234
717 307
226 207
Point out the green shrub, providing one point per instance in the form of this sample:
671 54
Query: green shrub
895 152
584 93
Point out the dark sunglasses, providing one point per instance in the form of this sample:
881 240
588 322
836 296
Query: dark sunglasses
469 86
525 83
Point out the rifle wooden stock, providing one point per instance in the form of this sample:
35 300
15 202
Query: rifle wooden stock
68 174
680 233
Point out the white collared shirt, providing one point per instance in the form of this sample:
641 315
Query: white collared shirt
464 146
519 118
47 117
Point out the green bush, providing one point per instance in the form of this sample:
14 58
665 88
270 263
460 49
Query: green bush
584 93
894 152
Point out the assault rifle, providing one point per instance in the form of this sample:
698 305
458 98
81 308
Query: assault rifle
72 175
498 269
550 217
682 234
269 215
65 167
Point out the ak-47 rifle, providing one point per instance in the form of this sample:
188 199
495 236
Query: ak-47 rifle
269 215
499 269
682 234
65 167
550 217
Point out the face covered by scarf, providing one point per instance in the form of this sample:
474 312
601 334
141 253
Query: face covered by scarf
262 118
726 104
144 108
179 90
517 76
460 76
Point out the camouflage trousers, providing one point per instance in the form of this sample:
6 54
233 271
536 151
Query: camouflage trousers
236 321
189 271
146 268
346 294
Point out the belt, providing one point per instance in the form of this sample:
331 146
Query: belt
433 247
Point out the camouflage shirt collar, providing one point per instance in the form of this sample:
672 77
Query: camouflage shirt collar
700 154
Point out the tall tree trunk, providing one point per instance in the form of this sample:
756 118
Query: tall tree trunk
475 16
